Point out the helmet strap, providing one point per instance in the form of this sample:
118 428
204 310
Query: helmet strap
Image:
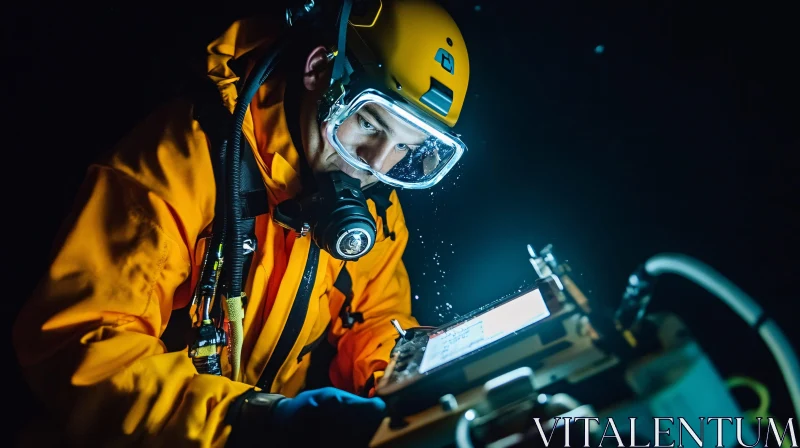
341 68
339 63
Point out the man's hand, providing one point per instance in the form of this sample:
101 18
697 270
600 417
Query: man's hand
327 416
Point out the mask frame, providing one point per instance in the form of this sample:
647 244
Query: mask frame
340 110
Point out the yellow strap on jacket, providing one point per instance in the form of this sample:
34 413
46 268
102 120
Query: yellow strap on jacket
88 340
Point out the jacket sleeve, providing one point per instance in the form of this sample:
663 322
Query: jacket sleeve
381 292
88 338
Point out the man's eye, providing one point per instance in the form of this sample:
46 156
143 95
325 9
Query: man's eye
405 147
366 125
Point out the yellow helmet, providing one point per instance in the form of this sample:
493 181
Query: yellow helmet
420 50
400 84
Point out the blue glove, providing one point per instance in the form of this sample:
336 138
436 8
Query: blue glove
327 416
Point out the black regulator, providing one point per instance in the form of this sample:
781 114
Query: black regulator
336 216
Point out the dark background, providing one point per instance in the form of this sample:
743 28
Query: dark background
680 136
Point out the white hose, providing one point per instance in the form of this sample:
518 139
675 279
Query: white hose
463 439
715 283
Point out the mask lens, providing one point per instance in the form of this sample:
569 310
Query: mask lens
395 146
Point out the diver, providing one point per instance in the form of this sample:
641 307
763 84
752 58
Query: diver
351 109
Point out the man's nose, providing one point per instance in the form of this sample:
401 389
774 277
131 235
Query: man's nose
375 156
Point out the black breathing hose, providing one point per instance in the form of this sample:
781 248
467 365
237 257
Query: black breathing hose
234 252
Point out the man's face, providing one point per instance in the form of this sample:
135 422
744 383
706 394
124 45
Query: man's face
370 134
374 136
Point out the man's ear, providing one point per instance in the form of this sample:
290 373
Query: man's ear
317 70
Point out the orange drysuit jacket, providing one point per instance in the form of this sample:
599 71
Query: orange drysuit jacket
89 339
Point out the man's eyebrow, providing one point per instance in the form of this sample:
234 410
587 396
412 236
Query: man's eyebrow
379 119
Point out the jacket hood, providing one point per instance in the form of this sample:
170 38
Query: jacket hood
265 125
